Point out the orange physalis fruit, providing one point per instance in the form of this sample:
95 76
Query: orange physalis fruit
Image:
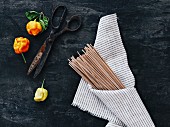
33 27
21 45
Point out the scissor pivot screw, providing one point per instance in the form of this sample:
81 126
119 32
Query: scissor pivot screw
50 40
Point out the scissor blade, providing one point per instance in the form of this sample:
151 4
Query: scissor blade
43 59
37 59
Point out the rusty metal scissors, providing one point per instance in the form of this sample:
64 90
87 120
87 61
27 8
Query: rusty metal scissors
62 27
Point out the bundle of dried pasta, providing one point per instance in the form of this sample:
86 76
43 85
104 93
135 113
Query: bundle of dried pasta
94 70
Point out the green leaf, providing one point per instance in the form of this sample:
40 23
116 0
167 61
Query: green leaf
43 21
46 20
31 15
42 24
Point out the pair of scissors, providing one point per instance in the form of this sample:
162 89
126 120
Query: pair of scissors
62 27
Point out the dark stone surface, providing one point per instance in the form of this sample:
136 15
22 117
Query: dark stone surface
145 30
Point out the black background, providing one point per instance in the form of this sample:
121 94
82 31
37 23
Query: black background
145 31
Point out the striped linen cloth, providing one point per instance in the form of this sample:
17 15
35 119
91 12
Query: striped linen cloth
122 108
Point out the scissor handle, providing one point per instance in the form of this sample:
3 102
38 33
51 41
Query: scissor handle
74 19
63 10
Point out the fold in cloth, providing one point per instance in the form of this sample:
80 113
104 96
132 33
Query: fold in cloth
126 105
109 45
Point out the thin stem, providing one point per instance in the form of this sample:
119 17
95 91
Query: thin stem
23 58
41 15
42 83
